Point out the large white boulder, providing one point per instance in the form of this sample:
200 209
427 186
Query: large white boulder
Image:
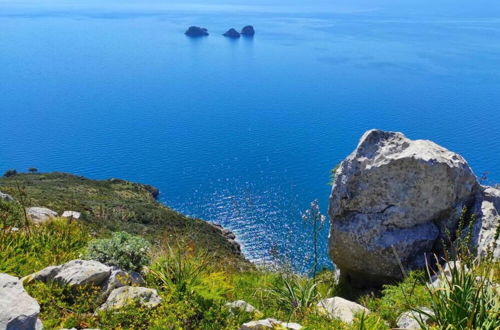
269 324
488 210
18 310
75 272
340 308
40 215
391 201
127 294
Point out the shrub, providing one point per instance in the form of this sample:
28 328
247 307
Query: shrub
11 214
9 173
123 250
32 169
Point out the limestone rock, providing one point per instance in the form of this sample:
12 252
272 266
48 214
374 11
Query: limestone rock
119 278
75 272
241 306
248 31
40 214
232 33
488 210
408 320
6 197
391 201
127 294
340 308
196 31
269 324
18 310
71 214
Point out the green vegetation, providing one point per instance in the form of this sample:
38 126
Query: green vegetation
117 205
123 250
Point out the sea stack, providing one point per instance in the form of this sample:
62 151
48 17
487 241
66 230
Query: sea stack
196 31
248 31
232 33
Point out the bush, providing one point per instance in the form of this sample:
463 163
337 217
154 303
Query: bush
11 214
9 173
123 250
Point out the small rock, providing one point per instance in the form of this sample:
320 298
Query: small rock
248 31
120 278
408 320
6 197
269 324
40 215
18 310
71 214
440 279
340 308
232 33
242 306
126 294
196 31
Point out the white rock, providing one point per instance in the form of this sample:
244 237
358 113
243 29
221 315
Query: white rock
75 272
242 306
386 199
40 214
488 209
408 320
44 275
6 197
18 310
127 294
120 278
340 308
269 324
71 214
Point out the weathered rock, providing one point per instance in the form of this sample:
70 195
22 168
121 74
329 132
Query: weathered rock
196 31
487 209
232 33
269 324
242 306
6 197
75 272
408 320
71 214
248 31
18 310
119 278
40 214
340 308
391 201
127 294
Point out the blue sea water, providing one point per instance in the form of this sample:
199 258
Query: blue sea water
243 132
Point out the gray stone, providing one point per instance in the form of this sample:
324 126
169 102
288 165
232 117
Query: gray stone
18 310
71 214
232 33
269 324
127 294
391 201
6 197
488 210
408 320
248 31
75 272
119 278
241 306
40 215
340 308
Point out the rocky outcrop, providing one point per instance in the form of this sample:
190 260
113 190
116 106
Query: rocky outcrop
122 296
75 272
391 201
241 306
18 310
196 31
487 209
39 215
232 33
6 197
340 308
248 31
270 324
229 236
410 320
